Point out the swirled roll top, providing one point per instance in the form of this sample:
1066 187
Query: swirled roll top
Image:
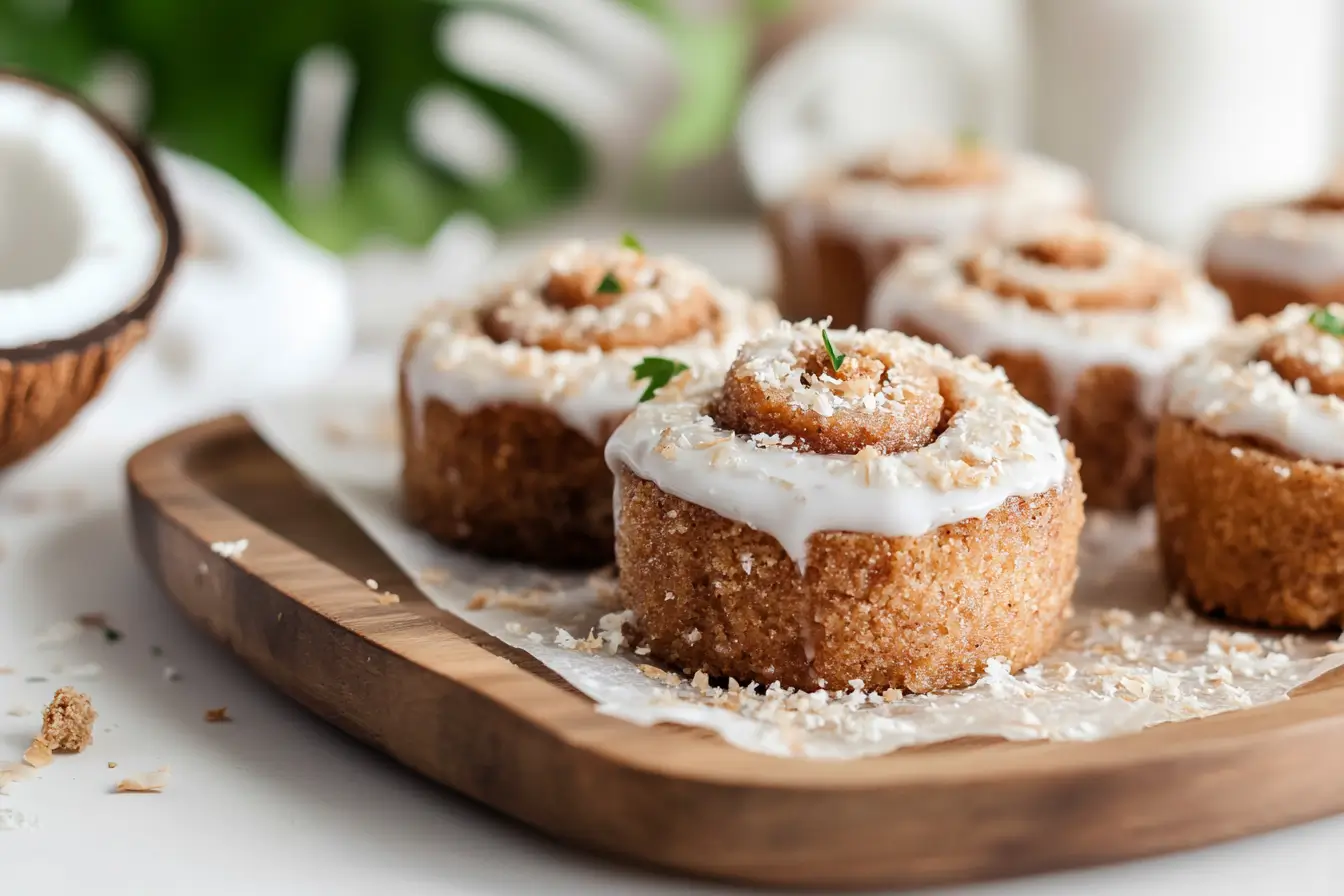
609 297
1278 380
567 332
900 438
1078 293
1076 265
875 400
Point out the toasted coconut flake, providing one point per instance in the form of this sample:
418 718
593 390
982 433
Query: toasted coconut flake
150 782
229 550
38 754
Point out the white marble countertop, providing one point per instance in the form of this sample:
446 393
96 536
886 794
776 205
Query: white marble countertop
277 801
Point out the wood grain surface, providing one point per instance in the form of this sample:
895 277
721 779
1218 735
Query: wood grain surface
464 710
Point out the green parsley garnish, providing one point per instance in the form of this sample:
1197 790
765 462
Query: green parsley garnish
1326 322
610 285
836 360
969 139
659 372
630 241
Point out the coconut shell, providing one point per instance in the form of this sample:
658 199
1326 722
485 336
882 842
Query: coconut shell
44 385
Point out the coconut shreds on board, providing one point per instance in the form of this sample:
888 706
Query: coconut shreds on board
229 549
434 575
149 782
527 600
387 598
609 637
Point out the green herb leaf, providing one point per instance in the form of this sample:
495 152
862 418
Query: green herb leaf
1327 323
630 241
659 372
610 285
836 360
969 139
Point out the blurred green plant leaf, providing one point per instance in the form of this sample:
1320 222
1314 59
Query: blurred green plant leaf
221 75
714 53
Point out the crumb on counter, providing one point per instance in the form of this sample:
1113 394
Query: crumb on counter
67 722
150 782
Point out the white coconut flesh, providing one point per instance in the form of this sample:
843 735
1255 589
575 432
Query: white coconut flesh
79 237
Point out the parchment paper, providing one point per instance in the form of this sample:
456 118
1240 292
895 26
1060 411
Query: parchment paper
1132 656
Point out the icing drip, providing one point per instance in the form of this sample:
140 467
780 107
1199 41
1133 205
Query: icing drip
994 446
1228 389
881 210
1288 242
1135 306
453 358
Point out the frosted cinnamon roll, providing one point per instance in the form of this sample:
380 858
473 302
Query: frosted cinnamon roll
888 513
843 228
1267 257
1086 319
1250 472
506 403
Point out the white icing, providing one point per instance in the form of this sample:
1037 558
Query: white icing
455 362
1230 393
1281 242
997 446
79 240
927 289
877 212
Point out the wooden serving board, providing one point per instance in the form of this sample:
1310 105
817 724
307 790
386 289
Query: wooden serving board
467 711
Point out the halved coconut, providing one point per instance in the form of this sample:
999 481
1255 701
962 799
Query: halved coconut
88 239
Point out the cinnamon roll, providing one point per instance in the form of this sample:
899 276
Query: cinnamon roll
890 514
1250 472
1086 319
843 228
1269 256
506 403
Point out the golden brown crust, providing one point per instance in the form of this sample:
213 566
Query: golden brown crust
918 613
824 274
39 398
507 481
1249 533
1110 433
1254 294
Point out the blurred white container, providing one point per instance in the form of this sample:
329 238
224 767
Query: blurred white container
1180 109
884 70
